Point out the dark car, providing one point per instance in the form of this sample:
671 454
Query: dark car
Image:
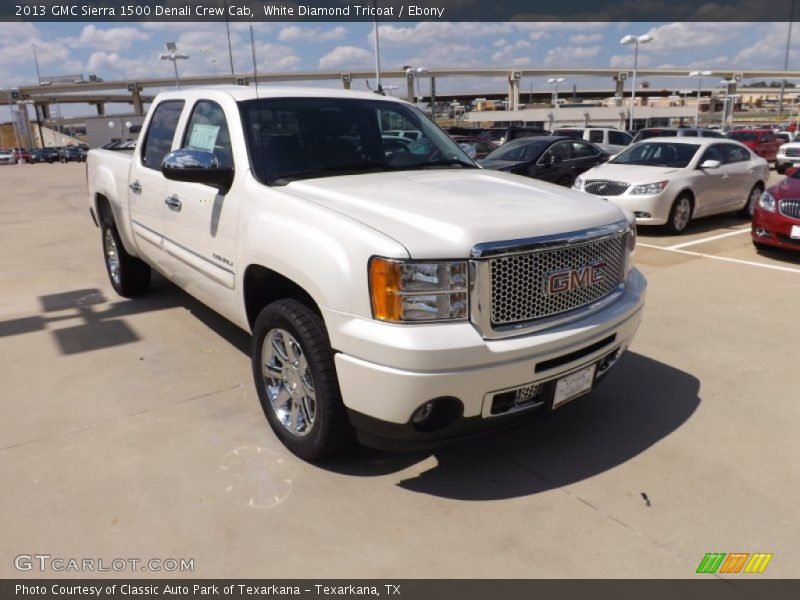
502 135
776 219
482 147
555 159
45 155
73 154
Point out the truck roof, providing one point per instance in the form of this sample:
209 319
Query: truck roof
241 93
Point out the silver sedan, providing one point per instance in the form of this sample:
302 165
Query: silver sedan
669 181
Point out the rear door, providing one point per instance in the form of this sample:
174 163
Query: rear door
200 222
742 176
146 184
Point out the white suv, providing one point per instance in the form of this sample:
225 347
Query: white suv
610 140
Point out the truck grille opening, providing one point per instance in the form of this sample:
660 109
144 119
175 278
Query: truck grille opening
522 284
793 152
525 397
604 187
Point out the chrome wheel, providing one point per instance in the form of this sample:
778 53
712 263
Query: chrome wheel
112 256
683 212
289 384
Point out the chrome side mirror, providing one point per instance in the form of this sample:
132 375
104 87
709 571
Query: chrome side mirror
711 164
197 166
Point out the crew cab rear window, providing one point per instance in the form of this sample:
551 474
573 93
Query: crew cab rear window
161 133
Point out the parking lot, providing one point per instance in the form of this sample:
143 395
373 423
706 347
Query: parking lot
132 429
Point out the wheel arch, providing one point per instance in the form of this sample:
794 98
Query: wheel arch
262 286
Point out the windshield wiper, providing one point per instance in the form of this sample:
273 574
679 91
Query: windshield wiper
440 163
362 167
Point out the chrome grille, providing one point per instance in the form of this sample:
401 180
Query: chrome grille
603 187
518 281
790 208
793 152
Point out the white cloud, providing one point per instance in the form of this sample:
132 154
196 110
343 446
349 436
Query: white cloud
114 39
344 57
295 33
567 56
584 38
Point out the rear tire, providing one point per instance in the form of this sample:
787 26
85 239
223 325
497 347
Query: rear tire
780 169
680 214
750 207
296 381
128 275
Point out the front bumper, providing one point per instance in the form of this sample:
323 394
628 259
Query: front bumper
648 209
774 229
411 365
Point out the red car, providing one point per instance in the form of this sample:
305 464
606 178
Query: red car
761 141
22 155
776 220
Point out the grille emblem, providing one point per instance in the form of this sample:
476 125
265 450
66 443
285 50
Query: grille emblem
558 282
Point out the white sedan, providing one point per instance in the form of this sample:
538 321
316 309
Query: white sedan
669 181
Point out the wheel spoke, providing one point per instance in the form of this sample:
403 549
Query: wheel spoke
293 416
279 346
308 407
295 354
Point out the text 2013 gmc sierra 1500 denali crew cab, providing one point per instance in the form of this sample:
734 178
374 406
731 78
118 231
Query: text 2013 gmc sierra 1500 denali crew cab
396 293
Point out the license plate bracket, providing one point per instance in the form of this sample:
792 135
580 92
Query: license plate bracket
573 385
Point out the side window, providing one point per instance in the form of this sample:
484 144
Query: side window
734 154
581 150
561 150
714 152
689 133
618 138
767 137
596 136
208 130
161 133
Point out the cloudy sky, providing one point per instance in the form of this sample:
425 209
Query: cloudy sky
131 50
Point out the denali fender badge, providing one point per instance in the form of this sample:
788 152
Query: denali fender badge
557 282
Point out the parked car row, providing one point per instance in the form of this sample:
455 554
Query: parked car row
15 156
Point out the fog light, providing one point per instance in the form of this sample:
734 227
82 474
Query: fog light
423 413
642 215
761 232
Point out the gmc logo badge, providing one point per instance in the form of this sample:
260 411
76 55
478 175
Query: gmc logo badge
557 282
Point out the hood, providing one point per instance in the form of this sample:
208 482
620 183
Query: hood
443 213
629 173
789 187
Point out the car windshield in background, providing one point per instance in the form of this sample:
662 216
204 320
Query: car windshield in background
303 138
742 136
658 154
519 150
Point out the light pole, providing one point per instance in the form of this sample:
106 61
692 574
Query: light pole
700 75
635 40
379 85
555 81
173 55
727 84
36 62
415 72
128 124
786 63
22 105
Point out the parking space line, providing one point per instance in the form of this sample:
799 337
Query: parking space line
708 239
722 258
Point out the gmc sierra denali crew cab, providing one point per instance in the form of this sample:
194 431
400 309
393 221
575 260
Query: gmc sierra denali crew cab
401 296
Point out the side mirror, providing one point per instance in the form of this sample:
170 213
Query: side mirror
790 171
711 164
197 166
469 149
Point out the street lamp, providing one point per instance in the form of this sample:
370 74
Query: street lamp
127 124
173 55
415 72
700 75
635 40
555 81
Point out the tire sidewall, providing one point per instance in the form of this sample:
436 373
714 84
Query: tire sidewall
276 316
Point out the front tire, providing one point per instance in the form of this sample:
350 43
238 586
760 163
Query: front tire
750 206
680 214
296 381
129 276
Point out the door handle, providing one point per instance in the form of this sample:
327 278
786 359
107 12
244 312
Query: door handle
173 203
725 176
136 187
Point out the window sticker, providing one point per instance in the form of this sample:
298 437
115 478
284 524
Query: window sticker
204 137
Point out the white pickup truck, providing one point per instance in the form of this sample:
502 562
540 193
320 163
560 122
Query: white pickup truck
400 295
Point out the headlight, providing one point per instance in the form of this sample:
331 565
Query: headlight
650 188
767 202
405 291
782 149
578 185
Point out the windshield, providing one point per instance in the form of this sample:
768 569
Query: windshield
658 154
519 150
743 136
301 138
